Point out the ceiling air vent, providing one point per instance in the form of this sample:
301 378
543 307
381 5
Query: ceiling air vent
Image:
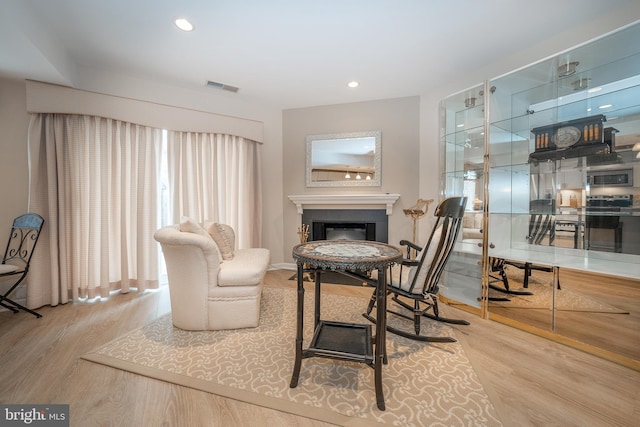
222 86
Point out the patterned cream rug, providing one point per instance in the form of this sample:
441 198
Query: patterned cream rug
424 384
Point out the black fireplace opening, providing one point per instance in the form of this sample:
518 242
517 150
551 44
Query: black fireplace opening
344 230
347 224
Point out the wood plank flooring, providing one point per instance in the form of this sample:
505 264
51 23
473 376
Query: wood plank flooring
618 333
531 381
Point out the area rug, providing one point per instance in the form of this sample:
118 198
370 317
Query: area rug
425 384
540 287
331 277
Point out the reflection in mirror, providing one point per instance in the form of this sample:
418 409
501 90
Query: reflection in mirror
344 159
590 183
592 176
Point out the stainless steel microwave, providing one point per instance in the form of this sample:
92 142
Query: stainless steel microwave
611 178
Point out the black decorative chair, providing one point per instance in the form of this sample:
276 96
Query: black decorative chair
414 283
542 224
17 257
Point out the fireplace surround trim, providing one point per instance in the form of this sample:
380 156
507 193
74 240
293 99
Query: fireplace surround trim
352 200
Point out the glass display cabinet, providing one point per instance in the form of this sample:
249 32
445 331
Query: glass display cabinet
463 139
549 157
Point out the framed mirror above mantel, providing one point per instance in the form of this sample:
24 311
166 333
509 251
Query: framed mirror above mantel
344 159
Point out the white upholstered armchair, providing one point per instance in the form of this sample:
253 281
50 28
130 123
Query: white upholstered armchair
212 286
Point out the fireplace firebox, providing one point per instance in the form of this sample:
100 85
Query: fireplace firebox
343 230
349 224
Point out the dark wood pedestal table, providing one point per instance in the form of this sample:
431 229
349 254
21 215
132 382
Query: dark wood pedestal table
339 340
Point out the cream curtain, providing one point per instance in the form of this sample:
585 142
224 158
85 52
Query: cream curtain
94 180
217 177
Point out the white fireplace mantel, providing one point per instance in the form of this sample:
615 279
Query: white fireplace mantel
354 201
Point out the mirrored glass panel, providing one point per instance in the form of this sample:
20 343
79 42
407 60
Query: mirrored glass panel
562 170
564 183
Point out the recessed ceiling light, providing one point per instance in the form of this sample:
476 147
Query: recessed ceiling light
184 24
595 89
353 84
602 107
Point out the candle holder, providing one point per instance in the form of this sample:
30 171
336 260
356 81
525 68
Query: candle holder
303 233
416 212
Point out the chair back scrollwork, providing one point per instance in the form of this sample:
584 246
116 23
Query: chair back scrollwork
23 237
22 240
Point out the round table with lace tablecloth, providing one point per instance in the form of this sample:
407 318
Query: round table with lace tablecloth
339 340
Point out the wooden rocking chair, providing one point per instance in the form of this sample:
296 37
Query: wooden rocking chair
414 283
542 224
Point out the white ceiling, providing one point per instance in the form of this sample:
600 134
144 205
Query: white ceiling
280 53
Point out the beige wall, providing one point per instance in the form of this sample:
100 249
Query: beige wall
398 120
14 185
14 123
409 128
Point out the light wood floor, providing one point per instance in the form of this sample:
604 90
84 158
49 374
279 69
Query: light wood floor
618 333
530 380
